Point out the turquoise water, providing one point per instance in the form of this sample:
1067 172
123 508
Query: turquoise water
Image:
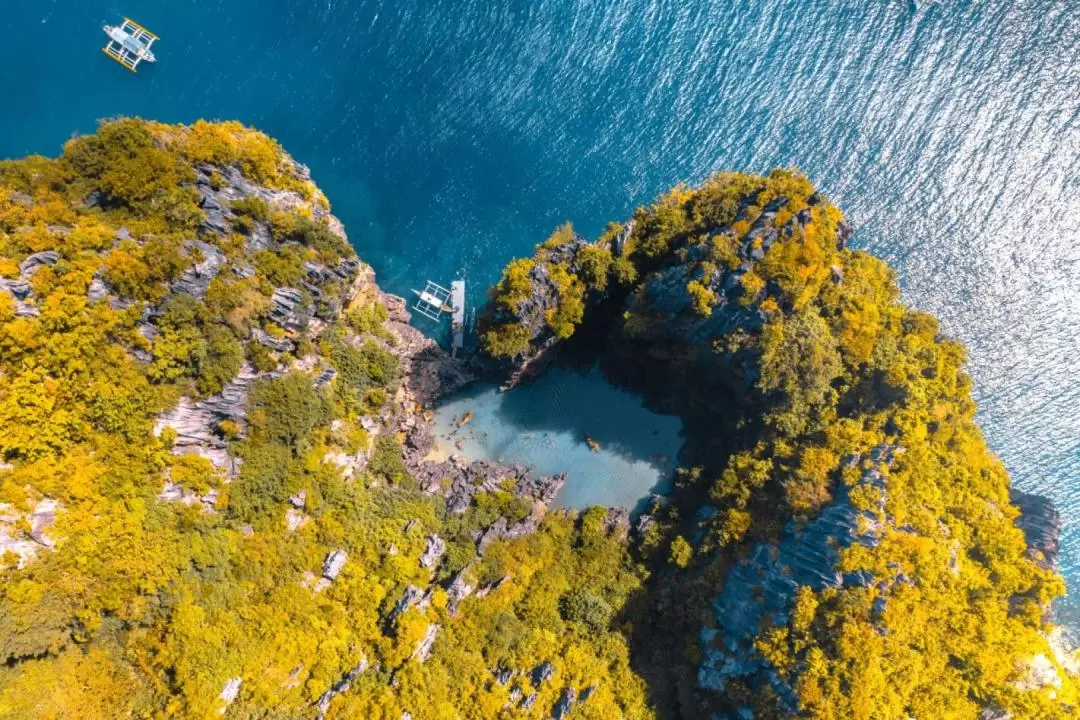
547 424
451 136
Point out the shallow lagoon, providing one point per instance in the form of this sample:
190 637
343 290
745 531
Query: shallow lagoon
544 424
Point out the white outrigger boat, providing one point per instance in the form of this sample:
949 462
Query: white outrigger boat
129 44
434 300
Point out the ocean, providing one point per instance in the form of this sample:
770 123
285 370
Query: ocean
453 136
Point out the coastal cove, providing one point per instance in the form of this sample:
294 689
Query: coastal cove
449 138
548 424
220 457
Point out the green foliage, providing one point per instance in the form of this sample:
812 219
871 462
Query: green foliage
287 410
800 360
252 207
515 285
123 160
681 552
146 607
223 358
595 262
507 341
583 607
386 461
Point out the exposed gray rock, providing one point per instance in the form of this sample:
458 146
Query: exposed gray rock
424 647
97 290
333 563
26 544
263 338
542 673
196 279
766 583
20 289
529 701
502 530
1041 523
412 596
459 589
504 675
434 547
565 704
214 221
196 422
31 264
342 685
290 309
229 693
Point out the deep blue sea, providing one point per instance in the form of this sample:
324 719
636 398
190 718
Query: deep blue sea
452 136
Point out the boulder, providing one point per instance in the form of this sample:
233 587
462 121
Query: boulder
542 673
333 563
31 264
434 548
565 704
20 289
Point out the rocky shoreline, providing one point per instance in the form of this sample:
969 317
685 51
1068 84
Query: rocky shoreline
429 372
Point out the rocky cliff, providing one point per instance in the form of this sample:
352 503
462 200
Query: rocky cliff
839 501
215 458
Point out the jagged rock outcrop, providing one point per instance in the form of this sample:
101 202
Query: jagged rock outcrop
196 279
765 583
25 533
197 422
434 548
1041 523
20 288
565 704
546 278
342 685
426 644
412 597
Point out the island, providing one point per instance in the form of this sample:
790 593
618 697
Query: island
218 496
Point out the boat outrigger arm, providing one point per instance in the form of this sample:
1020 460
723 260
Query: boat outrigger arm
433 301
129 44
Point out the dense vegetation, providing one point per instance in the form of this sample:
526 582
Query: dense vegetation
287 565
797 369
209 599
